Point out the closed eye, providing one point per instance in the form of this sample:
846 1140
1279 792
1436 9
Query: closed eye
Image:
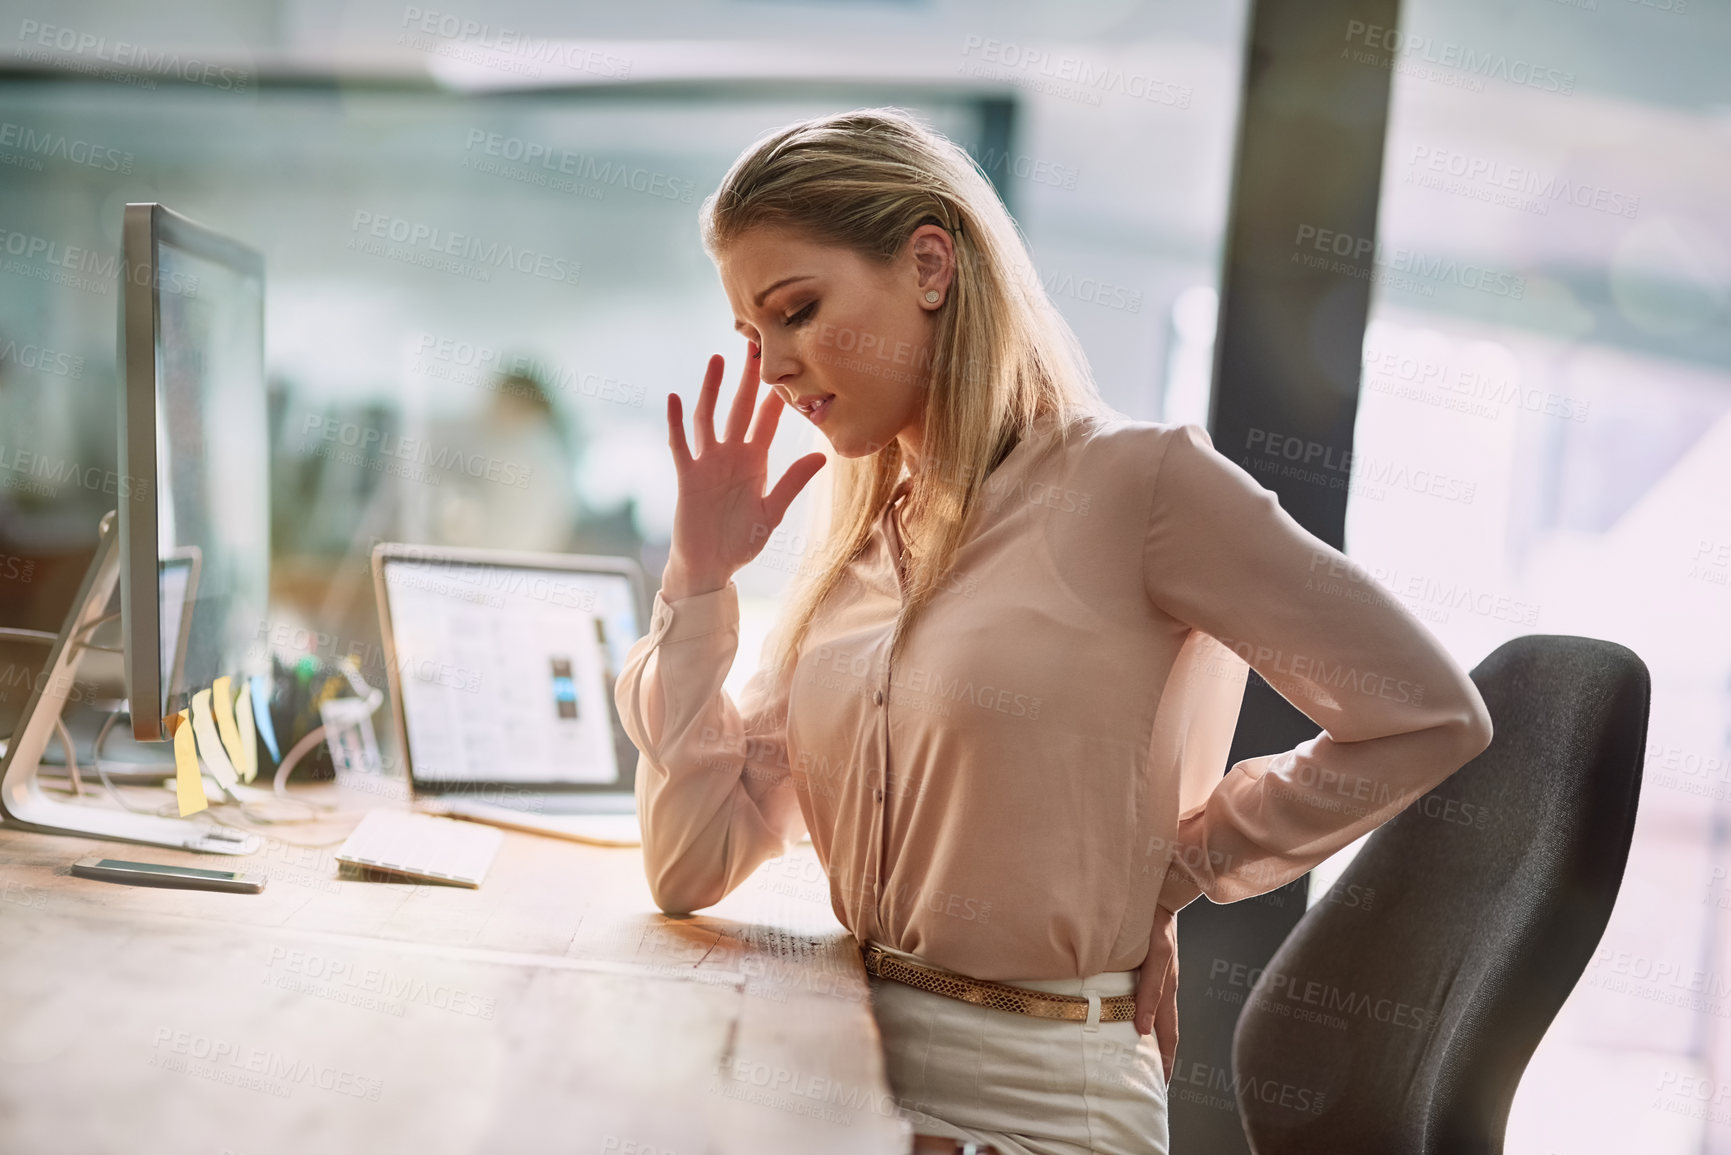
801 317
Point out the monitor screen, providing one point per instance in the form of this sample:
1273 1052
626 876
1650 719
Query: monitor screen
505 674
195 535
177 579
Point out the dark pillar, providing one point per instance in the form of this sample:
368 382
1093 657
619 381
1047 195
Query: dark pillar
997 140
1287 355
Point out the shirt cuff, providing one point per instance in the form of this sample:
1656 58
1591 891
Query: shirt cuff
695 615
1179 890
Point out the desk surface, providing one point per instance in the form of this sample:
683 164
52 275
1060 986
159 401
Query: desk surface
553 1009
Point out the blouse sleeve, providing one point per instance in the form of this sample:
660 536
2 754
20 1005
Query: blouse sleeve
714 792
1398 714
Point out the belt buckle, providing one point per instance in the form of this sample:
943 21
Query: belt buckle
873 958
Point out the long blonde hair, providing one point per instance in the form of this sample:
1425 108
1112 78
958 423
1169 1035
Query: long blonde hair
1003 356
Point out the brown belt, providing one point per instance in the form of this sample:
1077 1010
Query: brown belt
998 996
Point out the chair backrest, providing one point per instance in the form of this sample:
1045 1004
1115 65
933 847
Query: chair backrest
1399 1015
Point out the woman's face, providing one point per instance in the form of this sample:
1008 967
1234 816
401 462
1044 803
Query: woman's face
840 332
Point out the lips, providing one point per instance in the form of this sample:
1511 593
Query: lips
814 407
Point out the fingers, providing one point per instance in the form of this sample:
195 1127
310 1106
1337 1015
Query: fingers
1149 982
791 483
676 433
1166 1018
1158 969
768 417
703 424
745 400
1166 1035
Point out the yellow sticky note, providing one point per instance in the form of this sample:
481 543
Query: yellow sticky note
188 783
248 766
209 745
222 708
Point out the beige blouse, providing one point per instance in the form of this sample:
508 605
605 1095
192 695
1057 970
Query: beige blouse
1043 763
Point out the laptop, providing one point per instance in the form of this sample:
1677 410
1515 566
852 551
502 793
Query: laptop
501 667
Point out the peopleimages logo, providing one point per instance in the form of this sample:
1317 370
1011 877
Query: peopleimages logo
465 253
254 1068
1396 264
1004 163
78 267
162 62
1230 1086
1511 185
1464 389
32 145
42 359
465 39
580 166
367 440
52 472
482 366
1066 76
1409 48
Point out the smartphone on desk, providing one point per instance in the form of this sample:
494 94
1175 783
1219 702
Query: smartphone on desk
156 874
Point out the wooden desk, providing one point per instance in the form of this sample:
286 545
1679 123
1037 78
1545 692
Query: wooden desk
552 1010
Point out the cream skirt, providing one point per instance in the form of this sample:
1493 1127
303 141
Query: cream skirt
1027 1086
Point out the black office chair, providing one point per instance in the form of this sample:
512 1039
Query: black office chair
1398 1016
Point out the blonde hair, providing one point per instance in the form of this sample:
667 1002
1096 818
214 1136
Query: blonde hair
1002 355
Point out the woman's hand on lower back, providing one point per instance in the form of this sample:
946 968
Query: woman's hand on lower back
1156 1005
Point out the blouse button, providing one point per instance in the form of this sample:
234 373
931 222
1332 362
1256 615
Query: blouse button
877 697
878 795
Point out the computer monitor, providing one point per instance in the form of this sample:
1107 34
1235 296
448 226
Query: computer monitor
190 552
195 537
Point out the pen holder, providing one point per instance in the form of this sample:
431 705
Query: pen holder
309 694
294 711
350 743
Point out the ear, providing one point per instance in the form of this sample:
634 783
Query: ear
934 259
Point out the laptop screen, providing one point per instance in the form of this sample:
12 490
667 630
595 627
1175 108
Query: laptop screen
506 673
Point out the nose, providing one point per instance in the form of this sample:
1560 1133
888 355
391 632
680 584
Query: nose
778 366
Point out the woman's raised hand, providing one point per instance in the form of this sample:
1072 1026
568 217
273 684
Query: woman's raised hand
723 517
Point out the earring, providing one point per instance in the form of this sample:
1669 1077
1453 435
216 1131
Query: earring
931 296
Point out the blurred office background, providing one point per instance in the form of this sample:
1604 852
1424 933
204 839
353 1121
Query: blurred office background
1580 427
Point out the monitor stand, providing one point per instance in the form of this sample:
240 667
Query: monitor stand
22 800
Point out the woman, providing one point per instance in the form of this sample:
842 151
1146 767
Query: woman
1002 697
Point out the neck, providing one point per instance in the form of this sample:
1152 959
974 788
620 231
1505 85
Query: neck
912 441
911 459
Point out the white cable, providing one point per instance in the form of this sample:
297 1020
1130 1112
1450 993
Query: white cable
371 695
90 628
14 634
165 766
96 760
293 757
71 757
